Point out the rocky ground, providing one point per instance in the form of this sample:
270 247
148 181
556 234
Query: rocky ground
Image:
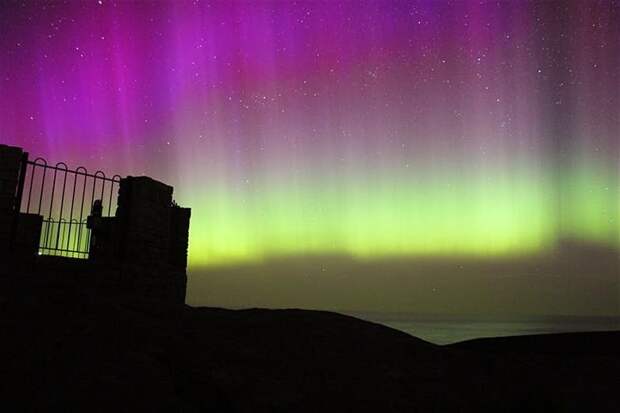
69 352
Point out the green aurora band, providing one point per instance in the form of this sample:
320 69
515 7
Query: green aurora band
485 215
366 128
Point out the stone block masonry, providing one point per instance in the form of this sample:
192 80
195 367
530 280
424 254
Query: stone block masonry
153 237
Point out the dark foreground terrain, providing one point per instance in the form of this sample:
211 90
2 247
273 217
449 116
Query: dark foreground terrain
71 353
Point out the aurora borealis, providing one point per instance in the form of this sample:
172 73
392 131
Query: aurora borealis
370 129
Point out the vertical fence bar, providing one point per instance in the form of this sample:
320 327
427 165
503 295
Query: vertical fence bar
92 195
62 203
103 179
50 227
71 211
84 172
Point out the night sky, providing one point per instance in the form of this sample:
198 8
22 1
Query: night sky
379 131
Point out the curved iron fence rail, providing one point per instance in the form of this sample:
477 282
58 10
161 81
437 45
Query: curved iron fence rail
64 198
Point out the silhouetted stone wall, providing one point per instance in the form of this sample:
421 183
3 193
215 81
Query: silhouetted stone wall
19 233
10 161
144 219
28 233
142 250
153 237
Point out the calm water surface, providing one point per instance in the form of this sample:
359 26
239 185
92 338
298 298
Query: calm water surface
445 330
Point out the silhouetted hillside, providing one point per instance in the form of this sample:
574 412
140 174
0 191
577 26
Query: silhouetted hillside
68 352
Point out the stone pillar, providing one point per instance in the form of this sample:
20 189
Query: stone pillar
179 240
143 214
152 235
10 167
179 236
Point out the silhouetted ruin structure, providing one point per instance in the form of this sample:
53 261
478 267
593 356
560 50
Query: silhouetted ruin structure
122 235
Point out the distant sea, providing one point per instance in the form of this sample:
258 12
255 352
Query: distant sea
447 330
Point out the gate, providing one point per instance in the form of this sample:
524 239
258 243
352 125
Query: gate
64 198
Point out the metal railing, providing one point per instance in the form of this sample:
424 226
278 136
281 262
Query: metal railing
64 198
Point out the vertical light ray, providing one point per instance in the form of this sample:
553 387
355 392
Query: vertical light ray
364 128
